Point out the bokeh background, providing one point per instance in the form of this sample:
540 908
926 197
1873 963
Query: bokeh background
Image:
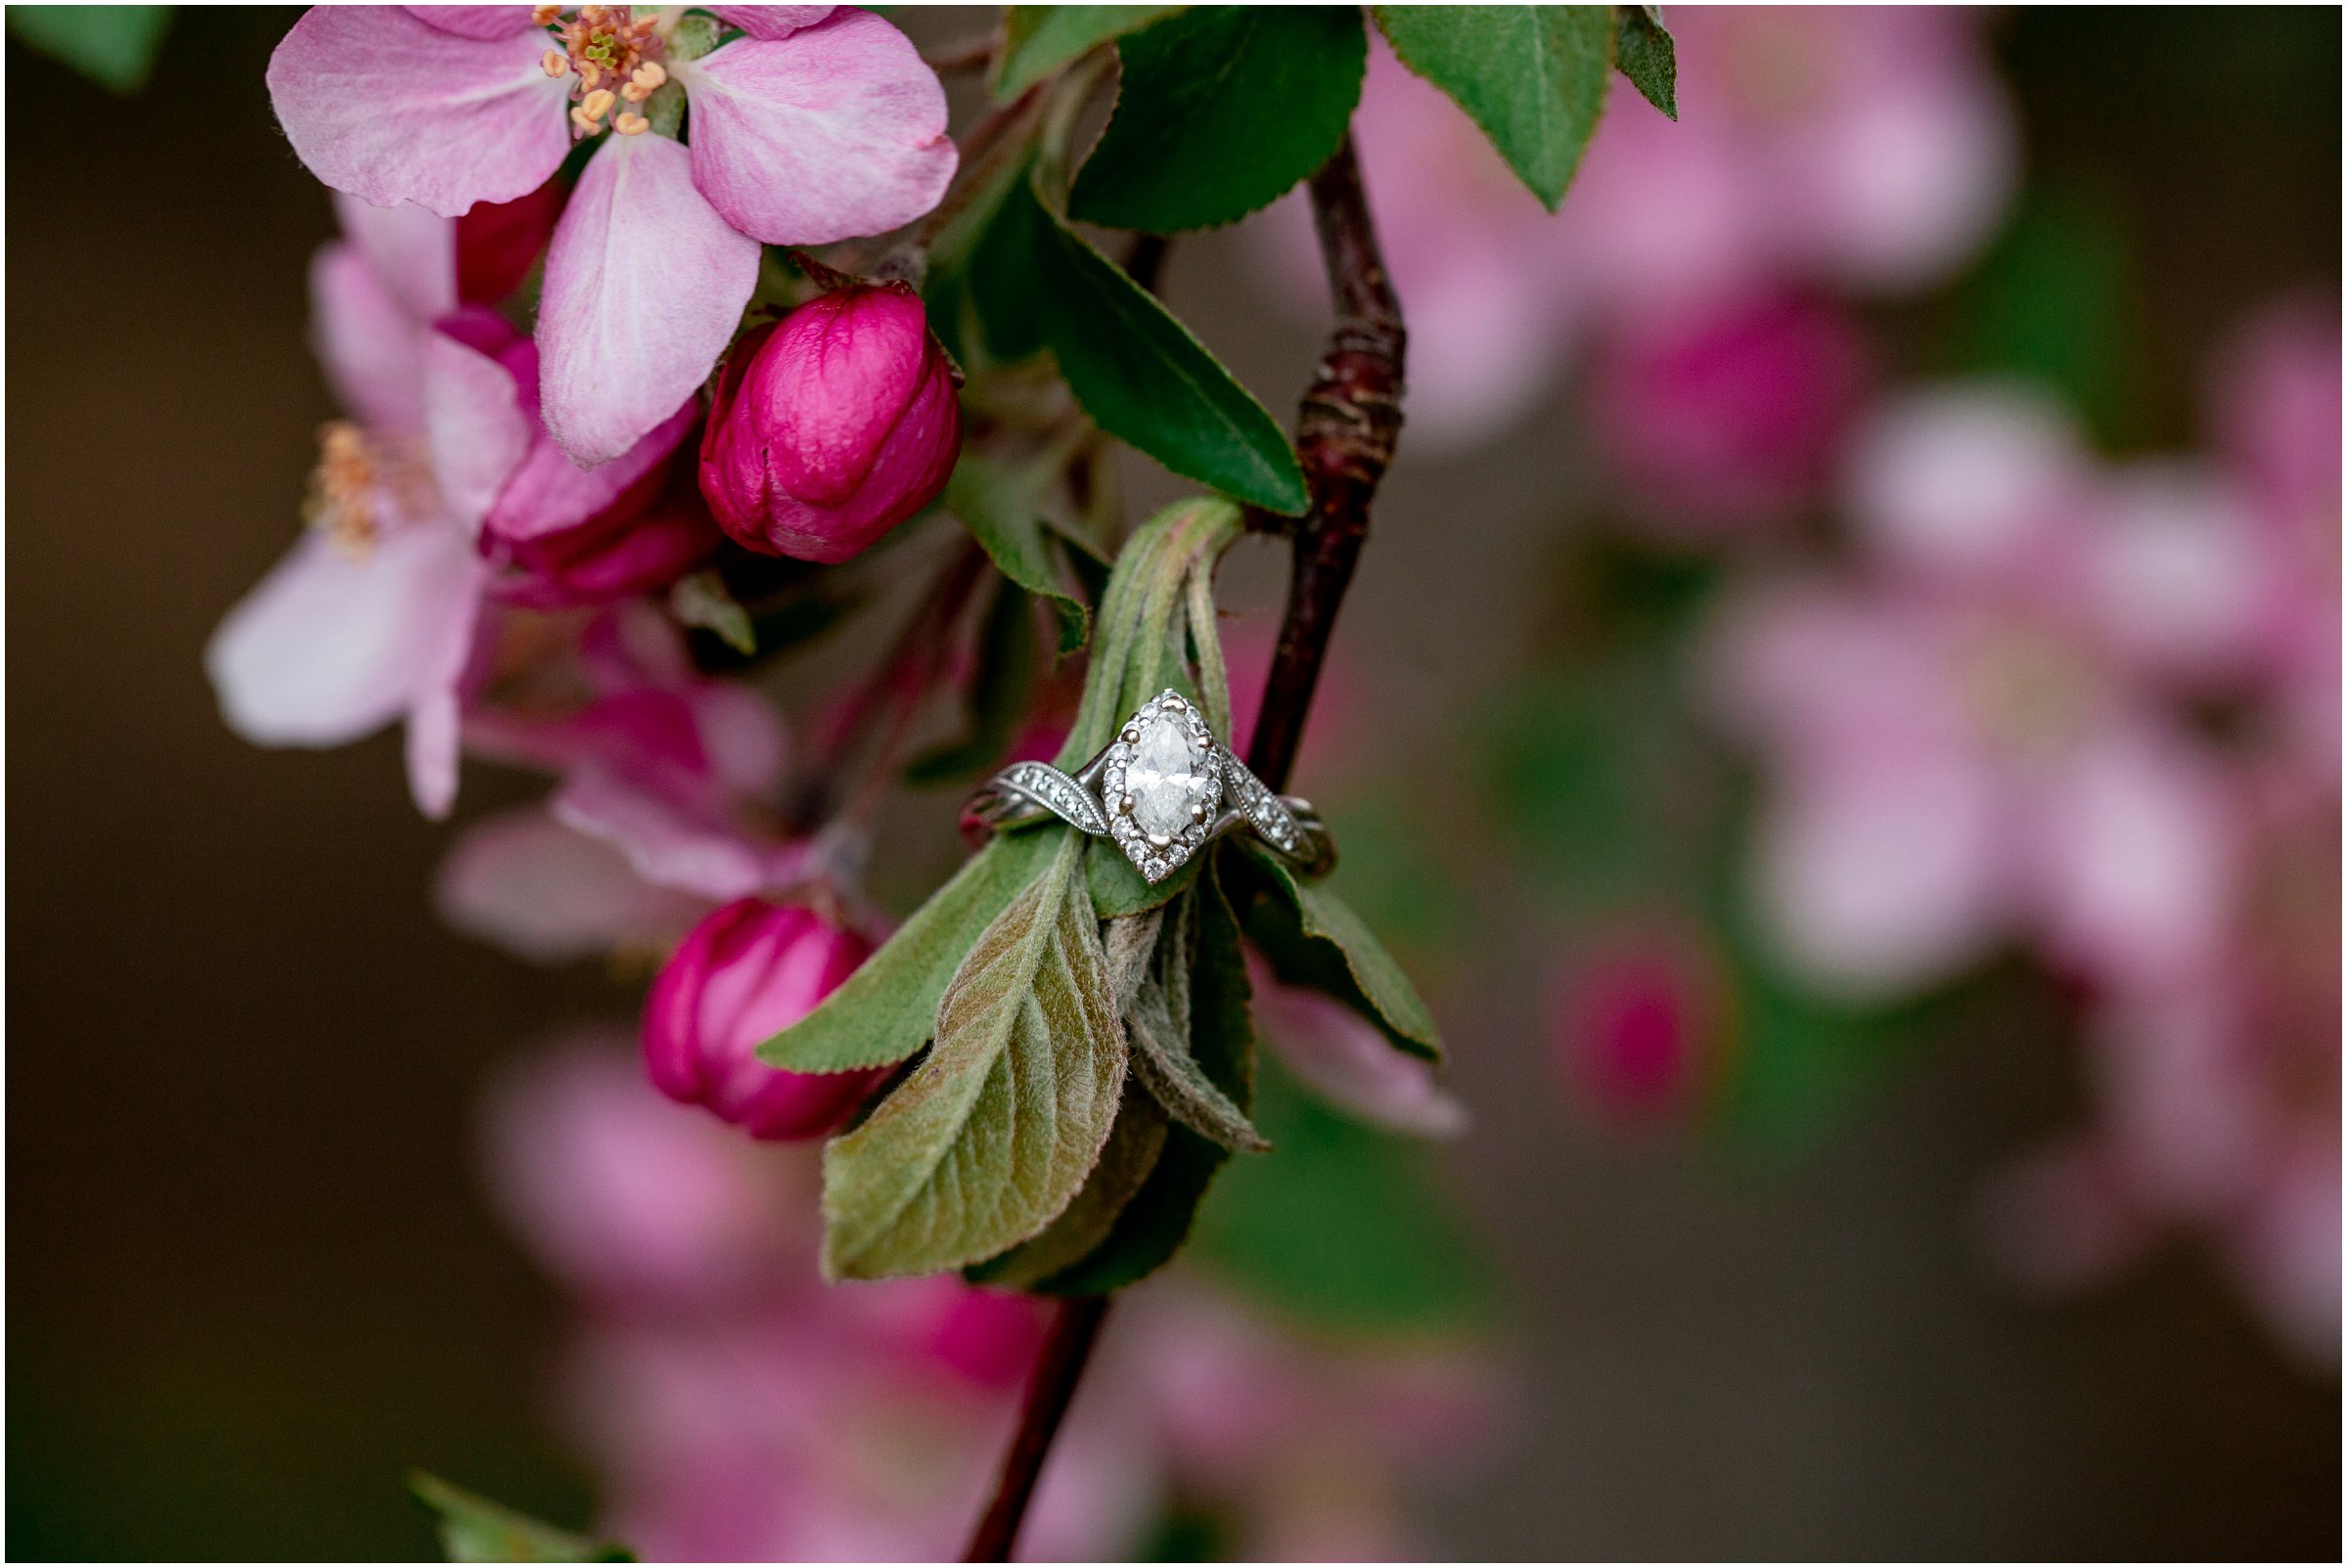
1799 1253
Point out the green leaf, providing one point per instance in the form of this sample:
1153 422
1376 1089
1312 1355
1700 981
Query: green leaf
1038 40
113 46
887 1009
1141 375
1313 938
988 1139
472 1529
1157 1028
1125 1163
1533 77
998 693
1002 508
1153 1226
1219 110
1344 1229
1644 52
701 600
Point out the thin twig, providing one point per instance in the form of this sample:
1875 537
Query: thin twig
1065 1350
1346 434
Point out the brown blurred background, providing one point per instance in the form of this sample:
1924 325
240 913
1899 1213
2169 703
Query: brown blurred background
254 1281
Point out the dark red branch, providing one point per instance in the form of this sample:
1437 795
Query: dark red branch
1346 434
1065 1350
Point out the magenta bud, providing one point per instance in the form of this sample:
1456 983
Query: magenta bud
831 425
497 242
747 973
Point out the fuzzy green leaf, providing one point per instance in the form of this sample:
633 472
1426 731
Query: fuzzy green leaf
1644 52
1002 508
988 1139
113 46
1533 77
1142 375
887 1009
1219 110
1158 1029
1125 1163
1344 1229
1312 937
1038 40
1153 1226
472 1529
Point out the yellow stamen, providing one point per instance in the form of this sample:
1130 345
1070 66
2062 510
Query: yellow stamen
597 103
589 74
555 63
635 94
649 76
631 124
543 15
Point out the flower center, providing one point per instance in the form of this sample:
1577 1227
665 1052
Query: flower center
2032 693
360 488
613 53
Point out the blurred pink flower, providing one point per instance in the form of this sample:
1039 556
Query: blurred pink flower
1640 1026
1861 149
2216 1092
737 1409
1977 736
749 971
664 763
2216 1083
820 123
1719 420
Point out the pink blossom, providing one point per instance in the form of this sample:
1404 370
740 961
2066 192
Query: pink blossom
1639 1025
661 763
818 125
1720 420
383 610
376 613
747 973
2217 1097
833 426
1977 736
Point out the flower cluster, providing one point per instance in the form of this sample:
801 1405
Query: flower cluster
487 477
2090 710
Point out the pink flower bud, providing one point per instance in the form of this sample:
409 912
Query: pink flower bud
831 426
745 973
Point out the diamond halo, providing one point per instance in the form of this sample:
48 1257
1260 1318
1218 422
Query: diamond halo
1161 781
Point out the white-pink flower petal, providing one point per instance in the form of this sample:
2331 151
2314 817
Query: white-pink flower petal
549 893
644 284
371 346
772 22
393 108
831 133
412 249
473 424
329 648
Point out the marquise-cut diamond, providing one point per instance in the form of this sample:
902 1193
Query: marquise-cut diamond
1169 778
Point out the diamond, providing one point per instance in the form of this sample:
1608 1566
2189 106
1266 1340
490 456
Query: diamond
1168 775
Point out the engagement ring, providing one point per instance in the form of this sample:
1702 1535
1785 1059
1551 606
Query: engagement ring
1161 788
